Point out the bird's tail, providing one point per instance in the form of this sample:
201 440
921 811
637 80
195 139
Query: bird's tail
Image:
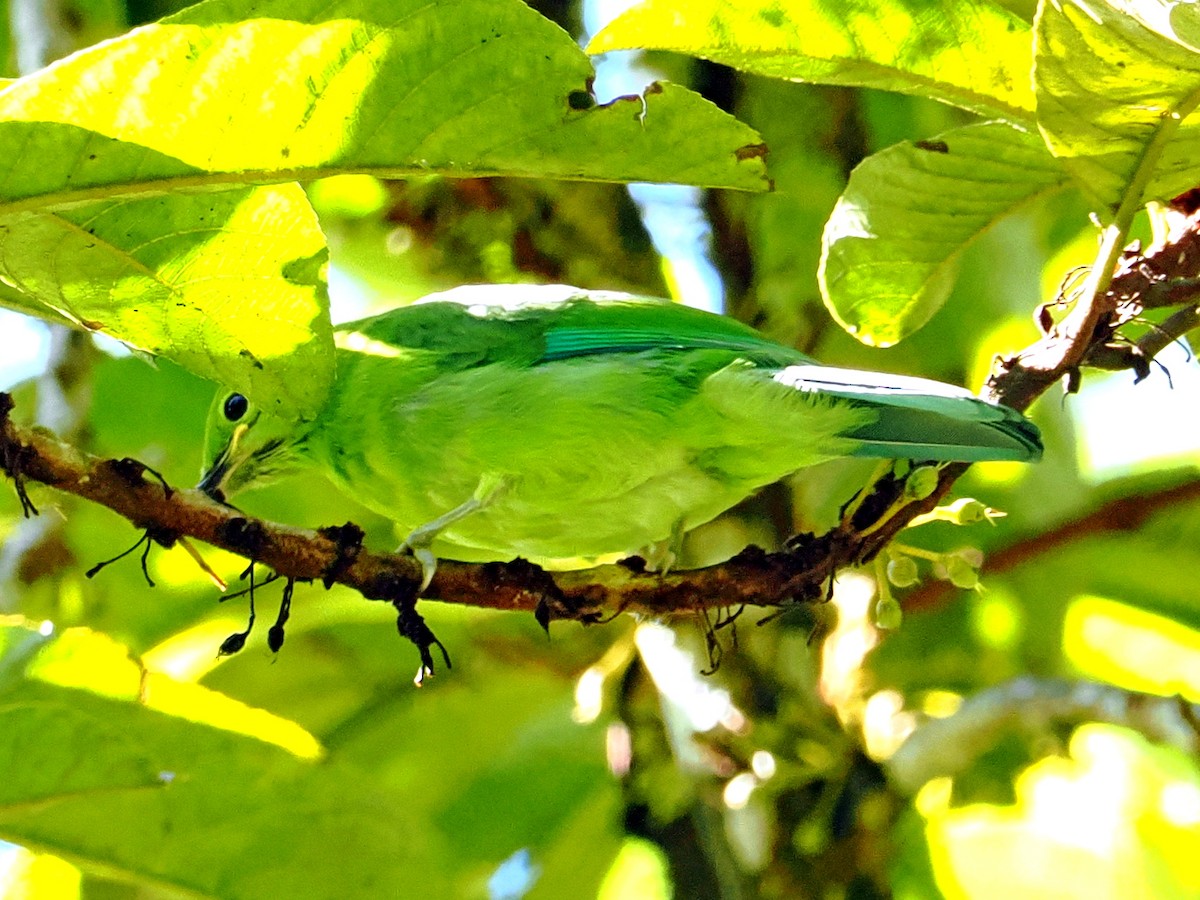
921 419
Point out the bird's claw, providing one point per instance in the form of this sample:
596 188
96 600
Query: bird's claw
428 565
418 545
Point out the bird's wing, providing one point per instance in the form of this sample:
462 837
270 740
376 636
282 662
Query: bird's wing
637 324
533 324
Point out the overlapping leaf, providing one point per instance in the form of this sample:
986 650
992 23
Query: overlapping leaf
244 91
1117 84
892 243
226 283
967 52
228 94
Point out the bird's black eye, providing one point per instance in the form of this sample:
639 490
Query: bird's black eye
235 407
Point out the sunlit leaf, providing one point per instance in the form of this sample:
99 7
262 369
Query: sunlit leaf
892 244
226 283
1117 84
245 91
157 800
970 53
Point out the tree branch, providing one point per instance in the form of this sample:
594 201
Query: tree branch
1121 514
950 746
335 555
1164 276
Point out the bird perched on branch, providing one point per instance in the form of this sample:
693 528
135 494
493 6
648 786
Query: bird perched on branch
552 423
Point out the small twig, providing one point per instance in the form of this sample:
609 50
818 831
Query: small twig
144 539
1117 516
1137 356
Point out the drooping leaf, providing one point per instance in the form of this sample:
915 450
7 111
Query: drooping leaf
240 91
970 53
236 93
1117 85
892 244
226 283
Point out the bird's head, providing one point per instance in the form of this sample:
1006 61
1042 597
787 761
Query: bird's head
244 445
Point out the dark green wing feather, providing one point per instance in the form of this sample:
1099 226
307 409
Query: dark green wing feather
915 418
921 419
531 324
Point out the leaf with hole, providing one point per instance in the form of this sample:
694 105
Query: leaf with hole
969 53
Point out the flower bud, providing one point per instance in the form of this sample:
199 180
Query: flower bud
902 571
888 614
921 483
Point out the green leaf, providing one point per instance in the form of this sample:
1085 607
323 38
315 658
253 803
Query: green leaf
225 283
246 91
1116 84
229 94
145 783
969 53
159 801
892 244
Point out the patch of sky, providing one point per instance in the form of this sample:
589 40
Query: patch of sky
1125 427
24 346
670 212
514 877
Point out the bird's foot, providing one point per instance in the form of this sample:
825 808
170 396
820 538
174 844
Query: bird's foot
420 540
661 556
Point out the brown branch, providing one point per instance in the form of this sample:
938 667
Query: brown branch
948 747
1089 335
1121 514
335 555
1137 356
1160 276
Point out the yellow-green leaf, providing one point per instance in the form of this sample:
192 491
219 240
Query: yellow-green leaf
1117 85
892 244
226 283
280 90
970 53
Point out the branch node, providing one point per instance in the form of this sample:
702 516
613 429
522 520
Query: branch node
246 535
348 539
131 471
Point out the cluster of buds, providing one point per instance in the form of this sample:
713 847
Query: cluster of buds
900 567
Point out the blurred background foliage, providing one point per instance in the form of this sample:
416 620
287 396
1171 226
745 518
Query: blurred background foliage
599 762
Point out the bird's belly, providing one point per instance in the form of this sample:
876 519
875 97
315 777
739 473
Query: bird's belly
621 503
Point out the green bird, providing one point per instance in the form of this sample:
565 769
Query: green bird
552 424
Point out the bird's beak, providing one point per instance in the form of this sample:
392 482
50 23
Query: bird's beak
215 477
213 482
